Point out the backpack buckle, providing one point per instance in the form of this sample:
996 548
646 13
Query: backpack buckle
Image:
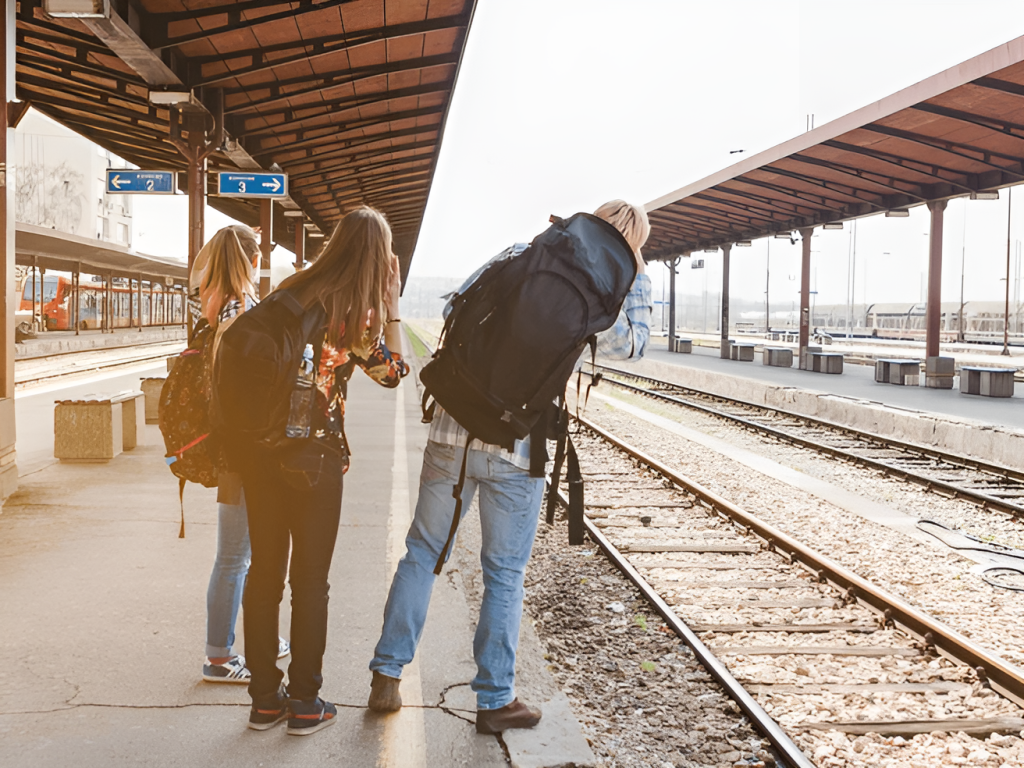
506 416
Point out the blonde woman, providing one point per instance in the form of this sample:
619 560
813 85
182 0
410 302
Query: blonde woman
356 281
222 287
510 498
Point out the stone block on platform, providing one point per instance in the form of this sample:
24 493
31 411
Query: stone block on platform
152 388
133 418
741 351
781 357
987 382
683 346
898 371
825 362
939 372
87 430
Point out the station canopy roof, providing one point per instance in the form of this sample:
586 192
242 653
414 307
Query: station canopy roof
956 133
50 249
349 97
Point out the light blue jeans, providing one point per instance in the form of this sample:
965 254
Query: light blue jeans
227 581
509 508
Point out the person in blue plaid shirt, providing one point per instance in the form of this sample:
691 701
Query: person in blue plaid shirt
510 500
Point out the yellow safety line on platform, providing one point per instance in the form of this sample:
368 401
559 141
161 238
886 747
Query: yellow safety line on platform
404 740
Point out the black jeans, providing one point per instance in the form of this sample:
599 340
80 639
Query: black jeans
309 519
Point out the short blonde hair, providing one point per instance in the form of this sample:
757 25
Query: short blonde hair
630 220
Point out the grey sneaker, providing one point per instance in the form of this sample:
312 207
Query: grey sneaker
231 671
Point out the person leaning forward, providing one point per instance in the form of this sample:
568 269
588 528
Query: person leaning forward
510 500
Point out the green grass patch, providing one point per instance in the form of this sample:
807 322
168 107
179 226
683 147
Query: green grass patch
419 349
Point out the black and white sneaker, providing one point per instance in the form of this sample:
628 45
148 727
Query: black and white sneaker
307 717
267 713
231 671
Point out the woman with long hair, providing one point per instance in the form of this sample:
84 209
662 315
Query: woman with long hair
221 288
356 280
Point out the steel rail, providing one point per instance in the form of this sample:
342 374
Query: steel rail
930 483
41 377
1002 676
784 746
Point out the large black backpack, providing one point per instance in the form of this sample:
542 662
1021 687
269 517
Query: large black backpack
513 337
254 372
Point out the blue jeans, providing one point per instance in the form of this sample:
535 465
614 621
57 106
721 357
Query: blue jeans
227 581
509 509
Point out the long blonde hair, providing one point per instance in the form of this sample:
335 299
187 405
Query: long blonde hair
223 269
350 277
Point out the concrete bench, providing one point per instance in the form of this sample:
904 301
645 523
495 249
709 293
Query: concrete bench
987 382
781 357
152 388
826 362
90 429
898 371
683 346
133 418
740 351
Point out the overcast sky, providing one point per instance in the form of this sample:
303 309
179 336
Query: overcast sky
563 104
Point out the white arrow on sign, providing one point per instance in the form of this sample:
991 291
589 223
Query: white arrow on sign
116 181
274 184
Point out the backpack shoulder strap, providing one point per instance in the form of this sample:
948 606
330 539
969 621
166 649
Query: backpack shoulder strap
457 494
575 478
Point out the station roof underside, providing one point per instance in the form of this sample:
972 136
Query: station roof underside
349 97
958 132
49 249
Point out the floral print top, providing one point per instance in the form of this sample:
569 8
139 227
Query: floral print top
382 365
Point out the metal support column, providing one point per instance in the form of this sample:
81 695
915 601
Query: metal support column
672 265
203 139
300 245
77 277
8 456
266 244
805 297
108 304
724 346
938 370
35 290
140 303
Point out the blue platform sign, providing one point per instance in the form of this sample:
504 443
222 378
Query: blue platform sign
122 182
241 184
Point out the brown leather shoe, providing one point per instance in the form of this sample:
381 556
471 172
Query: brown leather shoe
384 695
514 715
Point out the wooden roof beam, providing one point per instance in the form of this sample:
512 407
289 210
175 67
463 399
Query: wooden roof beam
316 84
157 23
951 147
321 46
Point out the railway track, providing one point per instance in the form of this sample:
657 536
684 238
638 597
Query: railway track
42 370
988 485
808 646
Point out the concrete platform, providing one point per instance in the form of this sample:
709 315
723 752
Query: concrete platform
984 428
104 619
856 381
61 342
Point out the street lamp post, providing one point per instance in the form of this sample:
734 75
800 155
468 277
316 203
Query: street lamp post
1006 310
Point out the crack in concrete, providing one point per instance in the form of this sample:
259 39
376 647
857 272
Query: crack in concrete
453 711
